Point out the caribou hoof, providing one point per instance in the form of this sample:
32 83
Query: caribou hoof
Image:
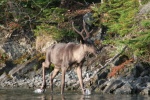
86 91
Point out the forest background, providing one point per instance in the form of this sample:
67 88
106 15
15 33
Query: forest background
123 22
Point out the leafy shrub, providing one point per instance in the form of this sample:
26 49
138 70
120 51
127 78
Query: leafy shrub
3 57
123 26
145 23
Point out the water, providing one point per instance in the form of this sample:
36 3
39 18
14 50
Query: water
28 94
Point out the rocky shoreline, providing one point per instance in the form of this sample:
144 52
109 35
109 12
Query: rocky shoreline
138 82
20 65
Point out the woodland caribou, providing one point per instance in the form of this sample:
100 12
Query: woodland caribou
63 55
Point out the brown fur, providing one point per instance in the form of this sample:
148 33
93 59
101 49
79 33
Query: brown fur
62 56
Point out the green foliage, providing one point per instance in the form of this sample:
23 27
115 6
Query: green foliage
145 1
48 29
119 17
22 59
2 2
2 6
55 15
145 23
57 33
3 57
141 42
50 19
45 17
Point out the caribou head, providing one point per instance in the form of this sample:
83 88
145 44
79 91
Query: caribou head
86 41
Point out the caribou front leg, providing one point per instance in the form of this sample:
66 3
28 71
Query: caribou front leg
52 76
79 73
63 79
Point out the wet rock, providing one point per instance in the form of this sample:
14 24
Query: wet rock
100 82
141 69
3 77
148 84
112 85
2 66
121 60
103 75
125 89
31 85
145 91
142 81
16 49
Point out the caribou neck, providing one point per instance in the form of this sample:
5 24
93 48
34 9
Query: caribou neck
79 53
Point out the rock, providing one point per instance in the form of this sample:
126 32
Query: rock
112 85
88 19
125 89
100 82
15 50
121 60
103 75
141 69
145 91
145 9
67 78
3 77
148 84
142 81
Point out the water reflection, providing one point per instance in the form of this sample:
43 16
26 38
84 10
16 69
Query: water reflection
94 97
27 94
66 97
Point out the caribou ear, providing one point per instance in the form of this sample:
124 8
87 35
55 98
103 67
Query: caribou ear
82 41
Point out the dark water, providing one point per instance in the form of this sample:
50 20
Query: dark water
28 94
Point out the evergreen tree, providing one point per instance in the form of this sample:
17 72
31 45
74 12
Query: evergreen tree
120 17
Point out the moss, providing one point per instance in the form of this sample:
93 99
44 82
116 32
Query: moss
3 57
24 57
145 23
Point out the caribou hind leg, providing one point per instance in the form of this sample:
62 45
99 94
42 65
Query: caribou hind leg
44 65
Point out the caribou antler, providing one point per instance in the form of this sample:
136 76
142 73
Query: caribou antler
83 30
